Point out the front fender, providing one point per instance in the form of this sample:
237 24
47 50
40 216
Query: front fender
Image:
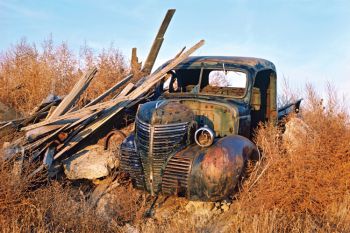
215 171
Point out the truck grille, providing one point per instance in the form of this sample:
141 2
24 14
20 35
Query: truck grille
130 163
155 144
175 178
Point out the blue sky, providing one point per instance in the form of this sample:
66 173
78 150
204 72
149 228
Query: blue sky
309 41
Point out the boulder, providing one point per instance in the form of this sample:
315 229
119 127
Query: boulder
197 208
91 163
296 134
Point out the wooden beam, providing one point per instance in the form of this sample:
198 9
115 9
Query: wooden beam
35 145
110 90
154 78
35 134
76 115
135 64
157 43
68 118
181 51
75 93
126 90
48 157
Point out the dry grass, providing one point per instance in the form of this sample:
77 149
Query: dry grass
305 188
29 74
54 207
294 188
316 173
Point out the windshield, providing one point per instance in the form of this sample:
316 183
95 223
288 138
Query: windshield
231 83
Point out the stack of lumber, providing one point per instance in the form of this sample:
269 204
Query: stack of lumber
66 126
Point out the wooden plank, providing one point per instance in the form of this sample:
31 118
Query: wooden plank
40 113
76 115
50 112
75 93
154 78
59 122
72 142
35 134
18 166
67 118
110 90
5 125
48 157
36 144
126 90
157 43
134 63
181 51
81 123
22 122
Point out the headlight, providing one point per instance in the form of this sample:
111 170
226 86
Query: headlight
204 136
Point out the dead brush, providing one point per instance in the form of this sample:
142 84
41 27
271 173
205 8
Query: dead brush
41 205
29 74
310 183
127 205
54 207
111 69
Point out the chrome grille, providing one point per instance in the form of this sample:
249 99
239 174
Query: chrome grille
130 163
155 143
175 178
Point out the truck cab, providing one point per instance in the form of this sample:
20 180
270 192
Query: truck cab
194 139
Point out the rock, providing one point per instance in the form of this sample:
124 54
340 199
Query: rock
130 229
225 207
296 134
103 206
167 207
216 211
199 206
105 200
90 163
100 190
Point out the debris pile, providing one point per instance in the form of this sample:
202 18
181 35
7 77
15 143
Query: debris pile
65 126
60 127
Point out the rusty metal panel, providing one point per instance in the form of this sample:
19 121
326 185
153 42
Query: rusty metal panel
216 171
222 118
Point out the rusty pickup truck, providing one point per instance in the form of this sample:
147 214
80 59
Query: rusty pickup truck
194 139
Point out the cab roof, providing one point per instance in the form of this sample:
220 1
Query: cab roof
256 64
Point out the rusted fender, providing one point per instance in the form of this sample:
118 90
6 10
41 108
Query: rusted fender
216 171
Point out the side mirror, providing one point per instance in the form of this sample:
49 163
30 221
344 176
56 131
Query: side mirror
256 99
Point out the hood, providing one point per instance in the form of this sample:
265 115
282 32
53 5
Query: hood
222 117
164 112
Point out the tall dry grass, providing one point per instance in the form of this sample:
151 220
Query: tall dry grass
54 207
28 73
303 185
295 187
